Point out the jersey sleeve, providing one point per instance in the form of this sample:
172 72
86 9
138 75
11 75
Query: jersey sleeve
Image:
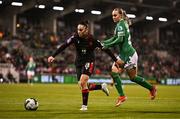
116 39
64 46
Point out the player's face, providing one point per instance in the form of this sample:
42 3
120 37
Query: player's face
31 59
82 30
116 16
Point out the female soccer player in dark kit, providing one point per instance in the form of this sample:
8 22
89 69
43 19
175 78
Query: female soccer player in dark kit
85 46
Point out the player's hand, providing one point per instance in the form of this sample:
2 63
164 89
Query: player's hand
51 59
119 63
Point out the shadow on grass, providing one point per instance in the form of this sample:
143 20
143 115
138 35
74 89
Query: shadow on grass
108 111
60 111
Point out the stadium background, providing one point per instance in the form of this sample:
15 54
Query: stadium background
30 29
36 28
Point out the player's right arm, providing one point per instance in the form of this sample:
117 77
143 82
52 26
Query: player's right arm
61 48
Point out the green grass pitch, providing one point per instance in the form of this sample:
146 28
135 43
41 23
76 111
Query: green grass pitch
63 101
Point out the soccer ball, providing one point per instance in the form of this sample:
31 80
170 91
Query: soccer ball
31 104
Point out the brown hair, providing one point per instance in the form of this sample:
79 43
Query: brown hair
84 23
124 15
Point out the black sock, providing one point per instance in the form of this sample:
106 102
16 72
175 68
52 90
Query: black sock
85 94
93 86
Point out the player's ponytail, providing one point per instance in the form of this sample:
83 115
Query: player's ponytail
125 17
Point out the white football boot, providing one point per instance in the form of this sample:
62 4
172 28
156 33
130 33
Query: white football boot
83 108
105 89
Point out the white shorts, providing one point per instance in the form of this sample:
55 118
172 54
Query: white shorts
30 73
132 62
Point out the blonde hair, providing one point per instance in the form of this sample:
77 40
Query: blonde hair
124 15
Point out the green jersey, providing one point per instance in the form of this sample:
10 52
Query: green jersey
31 66
121 39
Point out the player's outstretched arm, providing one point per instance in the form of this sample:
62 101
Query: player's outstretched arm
60 49
113 41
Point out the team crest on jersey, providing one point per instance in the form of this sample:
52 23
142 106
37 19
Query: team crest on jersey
120 28
87 65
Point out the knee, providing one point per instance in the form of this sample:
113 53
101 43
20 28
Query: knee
82 84
114 70
117 69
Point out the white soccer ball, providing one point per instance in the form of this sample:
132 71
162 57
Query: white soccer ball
31 104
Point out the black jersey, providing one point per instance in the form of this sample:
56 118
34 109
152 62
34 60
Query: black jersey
84 49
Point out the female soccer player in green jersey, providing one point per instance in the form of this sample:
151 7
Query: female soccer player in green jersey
128 55
30 68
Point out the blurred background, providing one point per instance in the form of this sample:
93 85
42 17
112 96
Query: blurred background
35 28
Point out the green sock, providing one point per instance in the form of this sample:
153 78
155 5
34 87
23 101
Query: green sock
118 83
141 81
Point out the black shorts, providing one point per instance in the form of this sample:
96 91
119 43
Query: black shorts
87 69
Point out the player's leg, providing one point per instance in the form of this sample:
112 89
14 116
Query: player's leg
32 77
118 84
141 81
85 71
132 73
88 69
28 77
79 72
94 86
85 91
